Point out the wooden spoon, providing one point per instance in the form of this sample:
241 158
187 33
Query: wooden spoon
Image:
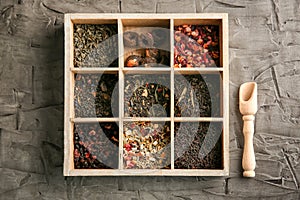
248 108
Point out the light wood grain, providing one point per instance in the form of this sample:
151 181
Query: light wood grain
146 172
225 86
95 70
172 94
68 146
138 22
248 108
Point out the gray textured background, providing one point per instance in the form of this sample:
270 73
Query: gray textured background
264 47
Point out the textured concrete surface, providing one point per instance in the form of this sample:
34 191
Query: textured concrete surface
264 47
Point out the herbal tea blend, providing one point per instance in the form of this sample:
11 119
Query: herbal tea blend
197 95
196 46
95 45
198 145
96 95
96 146
147 96
147 47
146 145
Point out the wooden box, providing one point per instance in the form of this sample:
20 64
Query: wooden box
167 116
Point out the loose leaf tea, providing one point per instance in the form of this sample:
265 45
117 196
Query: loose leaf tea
197 95
196 46
96 146
198 146
95 45
147 96
146 145
96 95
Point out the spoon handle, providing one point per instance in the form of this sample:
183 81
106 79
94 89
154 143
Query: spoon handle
248 161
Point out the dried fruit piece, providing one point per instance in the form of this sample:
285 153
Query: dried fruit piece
133 61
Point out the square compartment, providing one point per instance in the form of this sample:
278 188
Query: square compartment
146 44
96 45
197 94
96 95
96 145
197 43
146 145
147 95
198 145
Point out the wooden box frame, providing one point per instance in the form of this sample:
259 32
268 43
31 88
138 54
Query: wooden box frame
220 19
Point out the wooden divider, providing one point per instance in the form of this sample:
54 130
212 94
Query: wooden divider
124 23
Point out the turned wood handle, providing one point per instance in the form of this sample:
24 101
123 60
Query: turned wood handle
248 161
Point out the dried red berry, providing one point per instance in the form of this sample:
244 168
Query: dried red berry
87 155
196 46
127 147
